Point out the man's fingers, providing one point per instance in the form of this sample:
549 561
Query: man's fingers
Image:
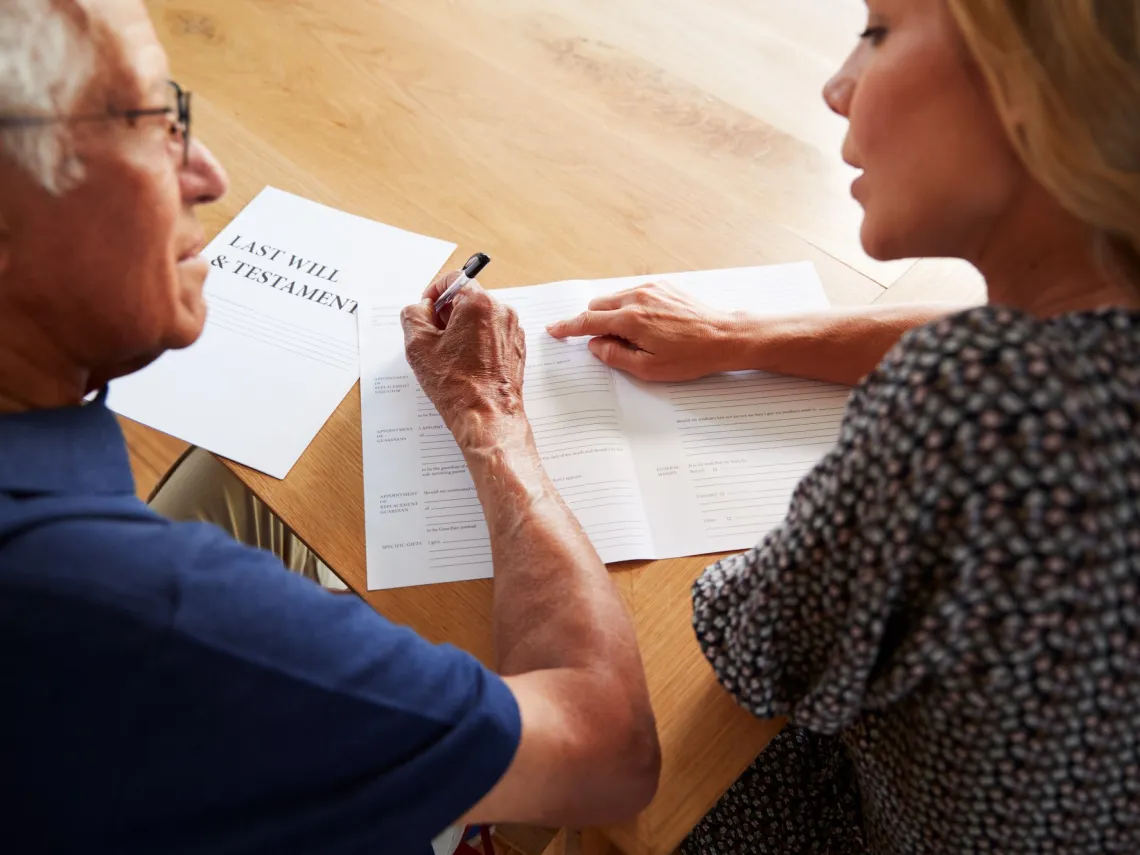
590 322
417 318
619 354
471 301
441 284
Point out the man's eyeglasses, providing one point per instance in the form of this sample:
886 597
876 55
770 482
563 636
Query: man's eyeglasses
178 109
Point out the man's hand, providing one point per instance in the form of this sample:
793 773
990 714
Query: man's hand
656 332
471 365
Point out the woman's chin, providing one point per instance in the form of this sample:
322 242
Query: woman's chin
877 244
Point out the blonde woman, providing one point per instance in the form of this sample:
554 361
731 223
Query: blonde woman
950 614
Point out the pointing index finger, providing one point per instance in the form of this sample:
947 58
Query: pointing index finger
590 322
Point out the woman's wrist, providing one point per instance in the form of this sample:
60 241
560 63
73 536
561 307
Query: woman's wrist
747 342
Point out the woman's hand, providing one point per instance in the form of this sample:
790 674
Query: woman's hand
471 366
656 332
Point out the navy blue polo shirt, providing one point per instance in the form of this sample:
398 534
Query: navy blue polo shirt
169 690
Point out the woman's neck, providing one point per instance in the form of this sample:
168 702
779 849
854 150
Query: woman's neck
1043 261
1057 284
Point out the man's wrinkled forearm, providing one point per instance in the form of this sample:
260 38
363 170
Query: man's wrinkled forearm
555 605
507 470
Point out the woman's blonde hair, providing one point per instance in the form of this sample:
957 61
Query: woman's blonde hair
1066 78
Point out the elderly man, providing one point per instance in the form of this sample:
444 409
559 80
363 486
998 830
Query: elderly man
171 690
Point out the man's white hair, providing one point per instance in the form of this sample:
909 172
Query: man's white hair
46 62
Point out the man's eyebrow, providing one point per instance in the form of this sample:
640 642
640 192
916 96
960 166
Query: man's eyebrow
152 82
158 86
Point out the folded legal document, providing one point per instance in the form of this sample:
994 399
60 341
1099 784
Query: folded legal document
650 470
279 351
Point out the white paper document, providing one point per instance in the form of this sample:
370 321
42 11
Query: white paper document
279 351
650 470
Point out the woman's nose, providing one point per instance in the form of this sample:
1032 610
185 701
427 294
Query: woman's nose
837 93
203 178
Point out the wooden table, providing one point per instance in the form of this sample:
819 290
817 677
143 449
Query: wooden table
569 139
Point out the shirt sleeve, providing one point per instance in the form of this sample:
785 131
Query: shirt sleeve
847 605
300 720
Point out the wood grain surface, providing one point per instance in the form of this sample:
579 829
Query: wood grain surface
568 139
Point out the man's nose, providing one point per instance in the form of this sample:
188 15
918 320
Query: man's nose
203 179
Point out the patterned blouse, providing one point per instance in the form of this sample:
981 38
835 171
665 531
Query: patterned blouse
950 614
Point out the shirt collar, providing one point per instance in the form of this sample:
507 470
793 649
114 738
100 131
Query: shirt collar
67 450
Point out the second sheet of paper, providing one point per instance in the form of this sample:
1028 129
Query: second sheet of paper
650 470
